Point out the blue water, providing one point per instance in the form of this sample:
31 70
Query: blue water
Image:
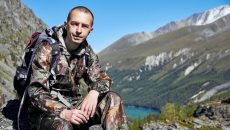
134 112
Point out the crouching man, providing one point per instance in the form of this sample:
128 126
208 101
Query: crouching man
71 91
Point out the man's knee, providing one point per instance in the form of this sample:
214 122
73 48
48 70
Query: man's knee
115 98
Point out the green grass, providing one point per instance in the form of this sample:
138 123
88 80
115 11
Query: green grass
222 95
5 76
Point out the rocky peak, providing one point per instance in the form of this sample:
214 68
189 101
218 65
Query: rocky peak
209 16
197 19
19 15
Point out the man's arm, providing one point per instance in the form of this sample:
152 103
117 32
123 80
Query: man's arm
39 91
99 83
99 80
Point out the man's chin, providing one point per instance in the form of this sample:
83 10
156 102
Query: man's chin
77 41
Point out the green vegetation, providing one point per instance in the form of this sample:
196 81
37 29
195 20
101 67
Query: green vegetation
16 28
168 83
223 95
134 57
135 124
165 88
171 113
5 76
174 112
208 128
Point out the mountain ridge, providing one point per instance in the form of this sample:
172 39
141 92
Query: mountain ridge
197 19
174 66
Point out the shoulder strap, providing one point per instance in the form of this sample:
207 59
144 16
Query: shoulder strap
87 55
38 39
55 59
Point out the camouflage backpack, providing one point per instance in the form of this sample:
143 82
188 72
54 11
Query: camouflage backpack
23 72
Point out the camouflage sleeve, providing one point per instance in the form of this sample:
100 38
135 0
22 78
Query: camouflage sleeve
100 81
39 86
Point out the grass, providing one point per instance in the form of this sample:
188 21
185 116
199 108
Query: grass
222 95
159 91
5 76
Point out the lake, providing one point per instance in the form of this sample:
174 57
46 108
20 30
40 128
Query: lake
134 112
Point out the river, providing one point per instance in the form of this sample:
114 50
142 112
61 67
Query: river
136 112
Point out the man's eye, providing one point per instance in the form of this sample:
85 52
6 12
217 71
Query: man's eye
85 26
74 23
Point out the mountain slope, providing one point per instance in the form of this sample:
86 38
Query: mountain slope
173 67
198 19
17 24
129 40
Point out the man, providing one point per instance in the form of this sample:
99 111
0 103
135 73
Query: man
76 94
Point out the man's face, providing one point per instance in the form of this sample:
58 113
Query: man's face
78 27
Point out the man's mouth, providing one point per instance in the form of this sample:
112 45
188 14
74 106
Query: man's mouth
76 37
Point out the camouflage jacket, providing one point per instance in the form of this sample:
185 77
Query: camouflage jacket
77 73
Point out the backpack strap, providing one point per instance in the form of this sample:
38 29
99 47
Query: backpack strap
38 39
61 98
86 56
55 59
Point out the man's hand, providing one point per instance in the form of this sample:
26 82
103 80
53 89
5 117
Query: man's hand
89 103
74 116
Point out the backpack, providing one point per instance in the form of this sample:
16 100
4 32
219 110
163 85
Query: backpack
23 72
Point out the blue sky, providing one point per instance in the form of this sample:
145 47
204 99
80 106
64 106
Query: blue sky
116 18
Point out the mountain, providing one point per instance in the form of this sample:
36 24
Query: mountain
174 66
17 24
198 19
209 16
129 40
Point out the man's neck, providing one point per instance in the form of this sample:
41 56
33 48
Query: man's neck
71 46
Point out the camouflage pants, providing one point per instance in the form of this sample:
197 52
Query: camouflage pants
110 114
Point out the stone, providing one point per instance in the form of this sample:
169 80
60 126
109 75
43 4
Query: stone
96 127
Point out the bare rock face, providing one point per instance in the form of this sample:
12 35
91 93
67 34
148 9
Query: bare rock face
17 24
217 114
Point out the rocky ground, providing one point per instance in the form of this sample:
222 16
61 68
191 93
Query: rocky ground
164 126
215 114
5 124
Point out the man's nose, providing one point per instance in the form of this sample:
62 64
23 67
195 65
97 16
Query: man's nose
79 29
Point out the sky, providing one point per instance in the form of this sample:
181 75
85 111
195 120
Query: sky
116 18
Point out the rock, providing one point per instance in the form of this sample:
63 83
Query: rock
164 126
5 124
17 24
214 114
96 127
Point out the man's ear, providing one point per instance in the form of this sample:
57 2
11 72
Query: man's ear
65 24
91 30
